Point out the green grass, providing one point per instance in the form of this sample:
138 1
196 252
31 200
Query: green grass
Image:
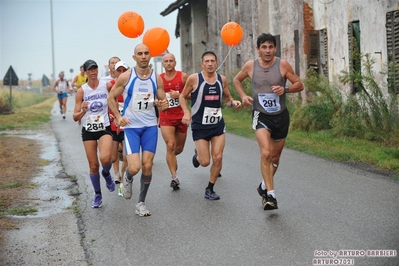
12 185
22 211
30 111
322 143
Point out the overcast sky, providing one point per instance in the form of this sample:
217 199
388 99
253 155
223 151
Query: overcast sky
83 29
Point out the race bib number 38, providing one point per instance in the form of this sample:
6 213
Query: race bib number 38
211 116
95 123
270 102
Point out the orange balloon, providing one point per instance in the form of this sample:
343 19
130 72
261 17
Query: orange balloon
131 24
157 39
232 33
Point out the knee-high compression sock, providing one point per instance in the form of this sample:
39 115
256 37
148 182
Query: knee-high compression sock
106 169
95 181
128 174
144 185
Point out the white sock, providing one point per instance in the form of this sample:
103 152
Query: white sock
263 186
271 192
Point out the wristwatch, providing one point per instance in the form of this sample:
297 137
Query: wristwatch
286 89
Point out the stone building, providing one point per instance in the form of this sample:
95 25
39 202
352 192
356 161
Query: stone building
318 34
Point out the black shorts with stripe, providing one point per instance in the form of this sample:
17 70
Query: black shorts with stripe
278 125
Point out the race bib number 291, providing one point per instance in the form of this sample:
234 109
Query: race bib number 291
270 102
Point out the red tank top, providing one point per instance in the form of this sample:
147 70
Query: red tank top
174 111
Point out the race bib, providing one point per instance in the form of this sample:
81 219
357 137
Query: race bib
95 123
173 102
270 102
211 116
143 101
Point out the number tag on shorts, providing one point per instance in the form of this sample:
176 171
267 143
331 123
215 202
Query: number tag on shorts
211 116
143 101
270 102
95 123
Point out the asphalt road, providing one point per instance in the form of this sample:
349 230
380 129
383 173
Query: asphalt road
324 207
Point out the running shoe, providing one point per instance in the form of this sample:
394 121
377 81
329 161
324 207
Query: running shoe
120 192
263 194
109 182
271 203
63 116
97 202
141 210
127 188
211 195
175 183
195 161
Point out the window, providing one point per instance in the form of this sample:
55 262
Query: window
354 52
392 29
317 54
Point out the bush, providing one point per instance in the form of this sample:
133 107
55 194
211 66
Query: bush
325 100
374 111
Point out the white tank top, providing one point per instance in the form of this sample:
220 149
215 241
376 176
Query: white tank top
139 95
96 118
62 86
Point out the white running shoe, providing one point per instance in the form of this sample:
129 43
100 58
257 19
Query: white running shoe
127 188
120 192
141 210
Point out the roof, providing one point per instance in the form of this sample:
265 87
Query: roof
172 7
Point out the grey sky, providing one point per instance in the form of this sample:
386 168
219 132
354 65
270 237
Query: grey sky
83 29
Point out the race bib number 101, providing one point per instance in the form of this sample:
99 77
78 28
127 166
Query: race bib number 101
211 116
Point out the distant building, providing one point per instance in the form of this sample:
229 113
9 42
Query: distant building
318 34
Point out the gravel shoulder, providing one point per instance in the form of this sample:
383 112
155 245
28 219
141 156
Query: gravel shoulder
51 236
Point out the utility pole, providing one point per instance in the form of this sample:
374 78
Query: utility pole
52 40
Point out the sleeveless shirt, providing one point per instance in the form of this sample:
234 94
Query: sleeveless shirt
174 111
98 105
206 103
265 100
62 85
81 80
139 95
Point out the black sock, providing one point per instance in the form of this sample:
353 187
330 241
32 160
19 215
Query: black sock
210 186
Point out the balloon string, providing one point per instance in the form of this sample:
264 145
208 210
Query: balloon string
225 58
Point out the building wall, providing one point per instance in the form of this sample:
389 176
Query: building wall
283 18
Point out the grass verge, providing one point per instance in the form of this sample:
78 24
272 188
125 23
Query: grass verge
324 144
